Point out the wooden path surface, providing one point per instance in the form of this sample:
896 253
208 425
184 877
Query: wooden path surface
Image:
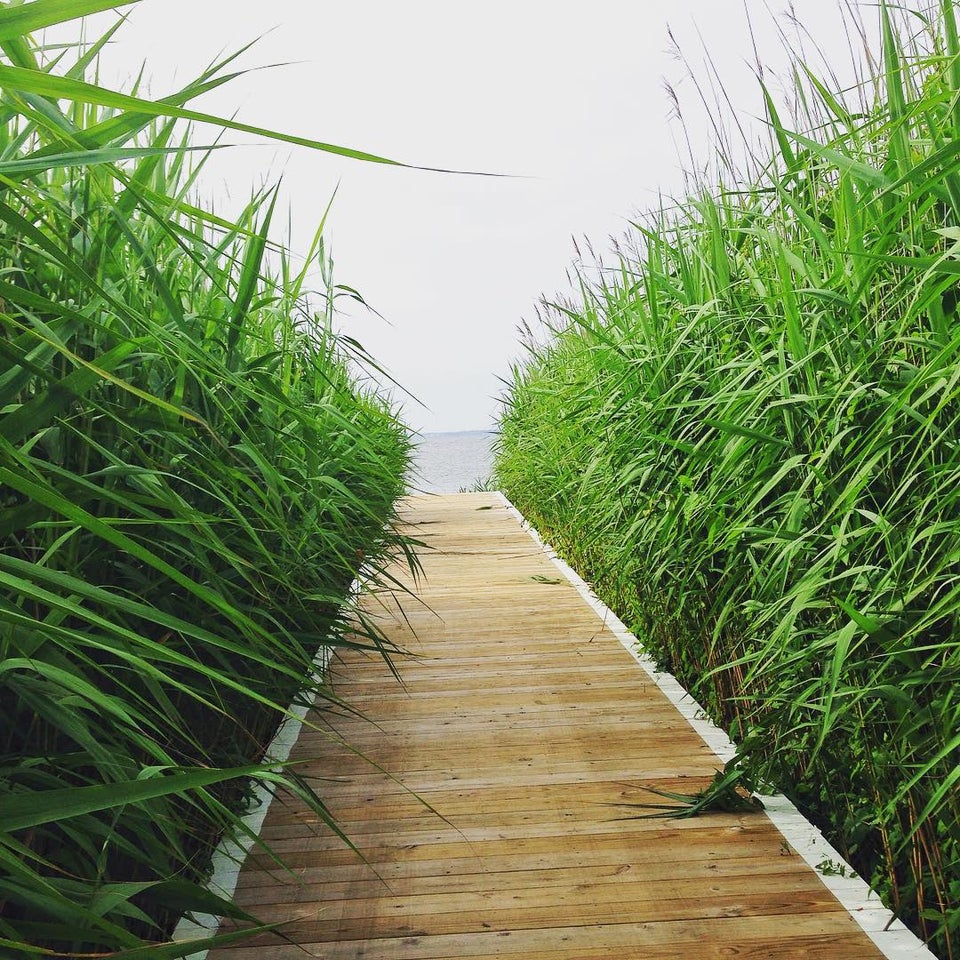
526 727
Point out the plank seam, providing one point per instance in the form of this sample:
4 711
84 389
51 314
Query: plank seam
891 936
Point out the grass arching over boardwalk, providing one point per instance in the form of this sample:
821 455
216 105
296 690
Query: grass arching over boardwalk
190 478
494 820
746 435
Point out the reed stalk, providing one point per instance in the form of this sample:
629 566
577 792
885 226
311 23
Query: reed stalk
190 479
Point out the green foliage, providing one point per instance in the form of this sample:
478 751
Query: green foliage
747 436
727 792
190 480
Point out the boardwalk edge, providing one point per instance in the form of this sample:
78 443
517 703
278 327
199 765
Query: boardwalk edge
891 936
231 852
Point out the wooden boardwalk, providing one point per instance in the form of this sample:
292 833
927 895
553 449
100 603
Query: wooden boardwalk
526 727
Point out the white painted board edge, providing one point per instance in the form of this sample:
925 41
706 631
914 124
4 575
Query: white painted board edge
230 854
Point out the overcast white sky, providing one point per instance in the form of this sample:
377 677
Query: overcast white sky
568 96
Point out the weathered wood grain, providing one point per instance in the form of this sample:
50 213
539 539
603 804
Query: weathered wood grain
492 795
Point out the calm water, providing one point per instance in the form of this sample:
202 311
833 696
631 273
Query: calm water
449 462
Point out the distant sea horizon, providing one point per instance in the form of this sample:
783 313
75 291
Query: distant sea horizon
451 461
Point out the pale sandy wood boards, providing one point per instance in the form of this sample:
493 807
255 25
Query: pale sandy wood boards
525 726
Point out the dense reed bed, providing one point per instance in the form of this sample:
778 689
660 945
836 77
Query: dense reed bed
190 480
746 434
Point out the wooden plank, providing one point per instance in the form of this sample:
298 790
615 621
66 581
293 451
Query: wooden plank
492 794
440 915
392 858
774 937
668 898
357 881
605 800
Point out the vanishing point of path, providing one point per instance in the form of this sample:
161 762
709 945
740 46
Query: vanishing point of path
526 726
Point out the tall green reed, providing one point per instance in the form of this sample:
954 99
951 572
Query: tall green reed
747 435
190 480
